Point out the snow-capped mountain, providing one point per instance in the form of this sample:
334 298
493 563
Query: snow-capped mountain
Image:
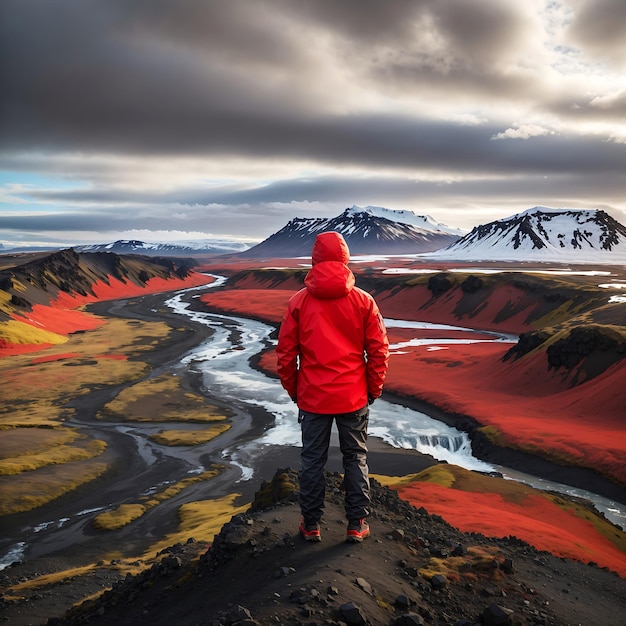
367 230
407 217
544 234
180 248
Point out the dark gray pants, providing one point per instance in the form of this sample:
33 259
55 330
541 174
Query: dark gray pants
316 430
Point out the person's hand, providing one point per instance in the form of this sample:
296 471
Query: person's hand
294 399
370 399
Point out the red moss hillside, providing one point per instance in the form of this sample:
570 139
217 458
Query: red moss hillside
503 508
39 299
581 426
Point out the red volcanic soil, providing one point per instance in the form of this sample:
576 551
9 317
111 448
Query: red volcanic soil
267 304
116 289
61 316
15 349
582 424
55 357
417 303
535 519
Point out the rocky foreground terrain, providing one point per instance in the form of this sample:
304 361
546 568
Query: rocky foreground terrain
414 569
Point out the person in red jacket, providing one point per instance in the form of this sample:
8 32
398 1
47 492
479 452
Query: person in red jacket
332 355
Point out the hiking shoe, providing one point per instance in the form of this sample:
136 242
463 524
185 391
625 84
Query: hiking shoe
358 529
310 532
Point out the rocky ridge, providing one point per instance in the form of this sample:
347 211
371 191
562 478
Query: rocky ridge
543 233
38 281
415 569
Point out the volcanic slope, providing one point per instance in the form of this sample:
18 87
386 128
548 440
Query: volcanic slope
40 292
414 569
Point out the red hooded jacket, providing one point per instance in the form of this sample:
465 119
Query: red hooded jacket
332 345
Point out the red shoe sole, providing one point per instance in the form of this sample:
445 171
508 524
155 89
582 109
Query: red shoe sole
355 537
310 535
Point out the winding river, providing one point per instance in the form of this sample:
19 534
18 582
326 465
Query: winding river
228 374
223 361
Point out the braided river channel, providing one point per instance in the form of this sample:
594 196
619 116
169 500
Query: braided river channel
229 375
223 361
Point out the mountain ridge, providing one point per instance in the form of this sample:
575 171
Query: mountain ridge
543 234
370 230
188 248
540 234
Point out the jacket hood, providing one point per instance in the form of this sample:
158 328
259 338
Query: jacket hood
330 246
330 277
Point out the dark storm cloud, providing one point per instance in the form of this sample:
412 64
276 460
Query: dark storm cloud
81 75
600 27
74 65
388 142
110 94
223 77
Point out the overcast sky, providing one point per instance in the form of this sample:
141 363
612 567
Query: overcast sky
177 119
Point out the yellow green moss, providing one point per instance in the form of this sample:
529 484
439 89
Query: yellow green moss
30 490
20 333
586 512
188 437
53 456
201 520
118 517
19 441
126 513
161 399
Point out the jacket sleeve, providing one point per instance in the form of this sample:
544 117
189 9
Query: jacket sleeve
287 352
376 350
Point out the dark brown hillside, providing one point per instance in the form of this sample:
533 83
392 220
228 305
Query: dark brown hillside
28 281
415 569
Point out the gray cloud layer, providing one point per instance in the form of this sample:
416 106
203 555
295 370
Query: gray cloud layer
404 94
